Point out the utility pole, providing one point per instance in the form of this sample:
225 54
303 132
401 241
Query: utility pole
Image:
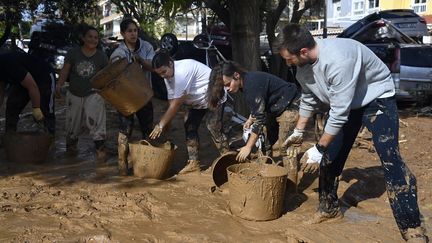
325 20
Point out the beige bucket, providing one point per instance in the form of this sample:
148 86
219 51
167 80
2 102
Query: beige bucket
256 191
27 147
123 85
150 161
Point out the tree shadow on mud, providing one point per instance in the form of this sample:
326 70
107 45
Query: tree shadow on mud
293 201
369 183
72 170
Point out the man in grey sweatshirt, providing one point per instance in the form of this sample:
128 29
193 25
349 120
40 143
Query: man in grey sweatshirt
357 89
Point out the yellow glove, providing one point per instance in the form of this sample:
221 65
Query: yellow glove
37 114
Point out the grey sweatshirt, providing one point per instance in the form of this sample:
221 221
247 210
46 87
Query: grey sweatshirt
347 75
145 51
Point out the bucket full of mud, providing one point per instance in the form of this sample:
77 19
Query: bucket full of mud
123 85
151 161
256 191
27 147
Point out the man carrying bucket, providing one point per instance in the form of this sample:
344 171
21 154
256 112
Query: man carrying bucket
356 85
187 82
30 78
134 49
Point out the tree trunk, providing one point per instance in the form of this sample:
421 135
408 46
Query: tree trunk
245 17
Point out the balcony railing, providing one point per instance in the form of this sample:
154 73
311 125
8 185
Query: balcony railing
420 8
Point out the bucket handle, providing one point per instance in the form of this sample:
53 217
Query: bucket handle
145 142
271 159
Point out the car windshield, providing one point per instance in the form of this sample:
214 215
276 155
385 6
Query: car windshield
416 56
398 14
382 32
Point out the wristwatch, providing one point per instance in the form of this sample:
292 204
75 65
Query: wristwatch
320 148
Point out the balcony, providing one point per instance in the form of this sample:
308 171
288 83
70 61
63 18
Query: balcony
419 8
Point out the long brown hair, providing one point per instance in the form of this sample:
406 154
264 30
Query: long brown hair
215 91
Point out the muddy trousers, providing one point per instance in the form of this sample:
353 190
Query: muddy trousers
18 99
381 118
193 120
145 120
88 111
278 129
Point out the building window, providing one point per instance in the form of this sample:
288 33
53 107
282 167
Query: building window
107 10
373 4
358 7
419 6
336 9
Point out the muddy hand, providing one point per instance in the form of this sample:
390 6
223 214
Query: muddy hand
311 160
157 131
293 151
296 138
243 154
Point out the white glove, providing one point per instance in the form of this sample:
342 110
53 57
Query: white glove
246 134
295 138
311 160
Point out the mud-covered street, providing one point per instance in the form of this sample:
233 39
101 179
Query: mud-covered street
70 199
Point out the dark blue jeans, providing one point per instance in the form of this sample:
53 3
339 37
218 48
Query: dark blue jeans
145 120
381 118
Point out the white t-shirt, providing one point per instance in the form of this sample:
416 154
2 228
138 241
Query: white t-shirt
191 78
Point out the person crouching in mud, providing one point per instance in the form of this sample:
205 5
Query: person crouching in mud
187 82
268 97
30 78
133 48
359 90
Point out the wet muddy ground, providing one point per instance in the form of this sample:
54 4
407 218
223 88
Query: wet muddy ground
74 199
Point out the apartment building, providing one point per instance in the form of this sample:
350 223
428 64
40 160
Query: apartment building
110 20
343 13
187 26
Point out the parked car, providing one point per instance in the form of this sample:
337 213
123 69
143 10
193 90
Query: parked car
406 20
205 46
409 62
22 44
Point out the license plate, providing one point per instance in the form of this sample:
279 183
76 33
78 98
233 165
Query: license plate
406 25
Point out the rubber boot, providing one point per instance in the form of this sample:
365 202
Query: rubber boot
123 151
415 235
191 166
101 154
71 145
289 159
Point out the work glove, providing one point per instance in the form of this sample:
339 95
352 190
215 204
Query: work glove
296 138
311 160
157 131
243 153
38 115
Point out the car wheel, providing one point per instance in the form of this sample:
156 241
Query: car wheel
201 41
169 42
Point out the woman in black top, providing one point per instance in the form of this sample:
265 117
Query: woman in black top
267 96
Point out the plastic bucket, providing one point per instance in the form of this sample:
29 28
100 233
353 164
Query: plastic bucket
150 161
220 165
123 85
27 147
256 191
